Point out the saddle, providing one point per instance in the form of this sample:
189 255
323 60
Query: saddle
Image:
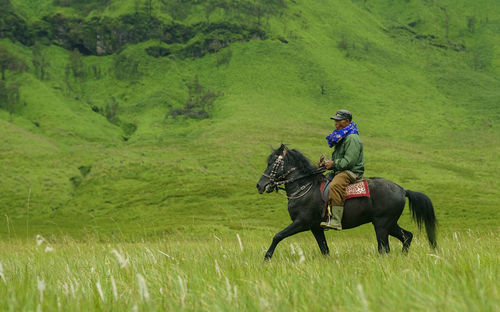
358 188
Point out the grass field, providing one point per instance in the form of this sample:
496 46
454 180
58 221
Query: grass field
422 79
228 273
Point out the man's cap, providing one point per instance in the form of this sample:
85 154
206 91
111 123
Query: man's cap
342 114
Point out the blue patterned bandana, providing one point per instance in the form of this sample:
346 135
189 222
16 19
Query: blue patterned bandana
337 135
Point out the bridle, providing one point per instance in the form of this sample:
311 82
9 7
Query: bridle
276 181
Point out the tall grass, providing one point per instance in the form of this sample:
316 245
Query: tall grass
217 274
426 118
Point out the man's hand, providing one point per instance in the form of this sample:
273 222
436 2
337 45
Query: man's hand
321 162
329 164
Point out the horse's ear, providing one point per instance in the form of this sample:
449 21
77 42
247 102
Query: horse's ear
279 151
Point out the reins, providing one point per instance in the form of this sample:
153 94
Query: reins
277 181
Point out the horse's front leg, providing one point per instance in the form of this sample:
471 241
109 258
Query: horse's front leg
293 228
319 234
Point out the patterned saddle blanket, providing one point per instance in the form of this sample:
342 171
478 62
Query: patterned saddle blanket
356 189
359 189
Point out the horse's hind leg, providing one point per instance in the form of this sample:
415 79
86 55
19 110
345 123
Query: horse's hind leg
403 235
319 234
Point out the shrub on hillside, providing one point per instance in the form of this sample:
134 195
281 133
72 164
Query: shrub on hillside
9 88
125 67
9 96
157 51
224 56
40 62
110 111
199 102
9 61
76 65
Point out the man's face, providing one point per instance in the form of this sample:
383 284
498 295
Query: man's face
340 124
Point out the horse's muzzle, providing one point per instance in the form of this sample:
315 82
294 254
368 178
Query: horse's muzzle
266 188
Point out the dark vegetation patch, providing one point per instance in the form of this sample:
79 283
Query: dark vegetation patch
158 51
359 48
106 35
430 39
84 170
198 103
78 179
9 89
110 111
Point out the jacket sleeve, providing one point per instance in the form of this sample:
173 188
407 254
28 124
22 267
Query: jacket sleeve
352 149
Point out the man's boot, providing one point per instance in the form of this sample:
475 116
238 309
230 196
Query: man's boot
335 220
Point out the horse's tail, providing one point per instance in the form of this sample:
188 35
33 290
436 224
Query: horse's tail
423 212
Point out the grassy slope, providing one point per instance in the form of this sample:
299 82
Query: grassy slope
409 99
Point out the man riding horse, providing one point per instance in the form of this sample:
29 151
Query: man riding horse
304 182
347 165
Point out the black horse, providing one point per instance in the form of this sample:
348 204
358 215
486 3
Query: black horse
383 208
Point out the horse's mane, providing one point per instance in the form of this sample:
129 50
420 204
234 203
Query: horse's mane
297 159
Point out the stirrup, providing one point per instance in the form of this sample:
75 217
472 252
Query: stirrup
327 226
324 224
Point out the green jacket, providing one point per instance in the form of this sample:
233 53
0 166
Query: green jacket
348 155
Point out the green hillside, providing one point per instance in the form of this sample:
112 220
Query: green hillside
104 142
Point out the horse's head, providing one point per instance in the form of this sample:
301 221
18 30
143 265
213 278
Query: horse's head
274 172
